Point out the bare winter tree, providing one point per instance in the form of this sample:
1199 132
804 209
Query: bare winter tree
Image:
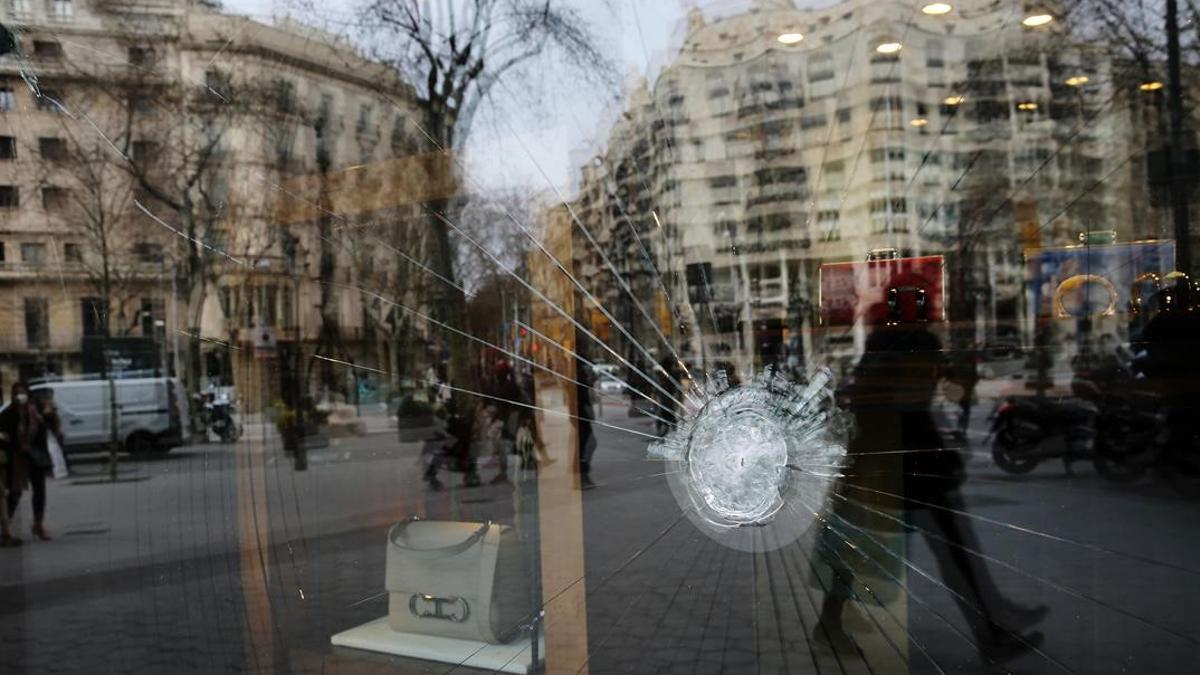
489 221
174 143
455 54
1157 45
183 144
83 186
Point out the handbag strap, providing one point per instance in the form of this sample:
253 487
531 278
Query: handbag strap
395 538
487 585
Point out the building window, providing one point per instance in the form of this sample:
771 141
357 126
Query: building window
91 316
284 96
54 198
144 152
268 306
812 121
153 310
53 149
894 205
225 298
37 322
148 252
887 102
364 117
325 110
8 147
61 10
33 253
19 6
141 56
48 101
142 104
401 142
47 49
10 198
934 54
72 253
217 82
880 155
784 175
283 146
287 310
820 67
7 99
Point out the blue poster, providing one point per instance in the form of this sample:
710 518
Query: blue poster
1119 264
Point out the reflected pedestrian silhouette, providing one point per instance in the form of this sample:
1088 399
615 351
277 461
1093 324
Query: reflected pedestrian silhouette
1171 367
901 478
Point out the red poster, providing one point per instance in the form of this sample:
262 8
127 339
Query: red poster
853 289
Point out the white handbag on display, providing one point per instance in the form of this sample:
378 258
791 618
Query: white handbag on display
459 580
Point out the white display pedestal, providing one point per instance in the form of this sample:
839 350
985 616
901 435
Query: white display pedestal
378 636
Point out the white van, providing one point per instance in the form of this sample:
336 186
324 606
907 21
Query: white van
152 413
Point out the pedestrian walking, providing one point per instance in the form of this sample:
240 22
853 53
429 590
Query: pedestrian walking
26 454
585 438
891 397
964 372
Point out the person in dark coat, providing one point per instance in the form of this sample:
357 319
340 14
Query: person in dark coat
1171 366
28 458
891 399
586 437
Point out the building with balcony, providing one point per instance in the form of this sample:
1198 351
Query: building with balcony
159 163
778 139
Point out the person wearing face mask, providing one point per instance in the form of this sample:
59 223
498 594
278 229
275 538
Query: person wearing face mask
28 459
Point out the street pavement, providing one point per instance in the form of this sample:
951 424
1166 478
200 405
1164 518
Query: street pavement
223 558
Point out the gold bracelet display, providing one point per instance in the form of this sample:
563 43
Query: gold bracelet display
1136 301
1077 281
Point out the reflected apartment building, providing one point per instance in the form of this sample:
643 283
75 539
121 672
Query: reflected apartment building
148 194
779 139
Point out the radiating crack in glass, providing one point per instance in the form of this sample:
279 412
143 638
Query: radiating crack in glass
742 452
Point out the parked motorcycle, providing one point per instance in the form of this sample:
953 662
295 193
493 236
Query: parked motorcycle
1029 430
1138 430
221 420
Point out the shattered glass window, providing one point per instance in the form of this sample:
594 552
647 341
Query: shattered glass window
747 336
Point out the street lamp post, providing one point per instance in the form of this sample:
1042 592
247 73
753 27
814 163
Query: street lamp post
1178 157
